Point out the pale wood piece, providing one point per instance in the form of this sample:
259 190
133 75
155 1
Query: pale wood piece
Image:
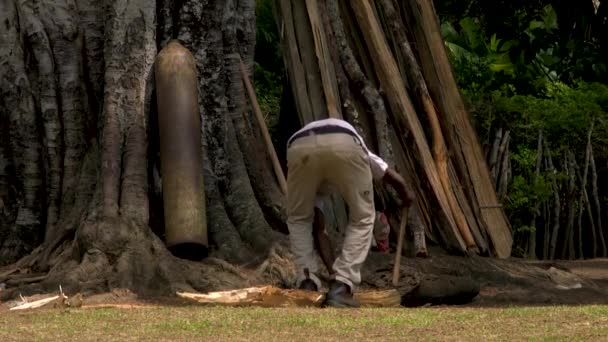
460 134
54 301
379 298
266 296
293 60
269 296
326 66
439 148
267 139
403 111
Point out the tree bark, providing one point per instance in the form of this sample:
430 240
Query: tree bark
326 66
354 72
505 171
535 212
421 18
546 231
583 199
556 203
25 148
387 71
568 246
467 222
81 171
494 154
596 202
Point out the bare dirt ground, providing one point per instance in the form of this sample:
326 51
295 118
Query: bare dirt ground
512 282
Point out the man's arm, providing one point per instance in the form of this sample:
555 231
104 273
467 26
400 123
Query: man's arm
395 180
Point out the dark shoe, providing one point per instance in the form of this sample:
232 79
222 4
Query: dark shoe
341 296
308 285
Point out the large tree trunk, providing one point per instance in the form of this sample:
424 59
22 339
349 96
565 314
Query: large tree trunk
80 173
80 141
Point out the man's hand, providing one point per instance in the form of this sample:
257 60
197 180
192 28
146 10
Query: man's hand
398 183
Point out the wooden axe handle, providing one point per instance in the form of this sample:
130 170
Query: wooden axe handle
397 264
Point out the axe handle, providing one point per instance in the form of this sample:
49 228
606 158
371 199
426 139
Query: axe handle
397 264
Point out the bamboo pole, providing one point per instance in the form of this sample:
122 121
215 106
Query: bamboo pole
260 118
399 251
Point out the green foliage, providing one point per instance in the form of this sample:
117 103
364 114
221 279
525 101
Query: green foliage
565 115
526 189
528 51
269 69
485 61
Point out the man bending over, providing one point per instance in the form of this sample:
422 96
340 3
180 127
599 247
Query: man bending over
329 155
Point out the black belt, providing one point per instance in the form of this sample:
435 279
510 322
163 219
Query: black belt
328 129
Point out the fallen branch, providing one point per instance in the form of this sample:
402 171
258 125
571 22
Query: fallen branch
5 275
54 301
269 296
119 306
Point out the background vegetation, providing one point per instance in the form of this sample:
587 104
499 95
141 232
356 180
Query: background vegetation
526 69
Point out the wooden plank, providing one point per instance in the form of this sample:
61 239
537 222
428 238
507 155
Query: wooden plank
260 118
269 296
404 115
437 71
439 149
293 60
306 48
326 66
481 239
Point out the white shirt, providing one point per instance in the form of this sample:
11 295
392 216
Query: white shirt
377 164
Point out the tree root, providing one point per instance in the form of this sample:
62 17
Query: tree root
114 254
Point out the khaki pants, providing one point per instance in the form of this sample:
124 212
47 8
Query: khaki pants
339 161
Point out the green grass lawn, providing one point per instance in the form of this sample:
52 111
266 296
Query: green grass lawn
584 323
